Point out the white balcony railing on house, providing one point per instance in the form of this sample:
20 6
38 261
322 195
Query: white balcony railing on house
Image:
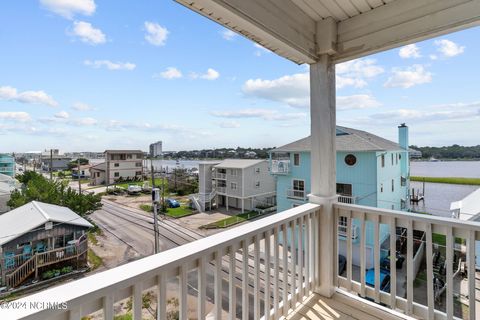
280 166
296 194
242 270
221 189
271 263
220 175
347 199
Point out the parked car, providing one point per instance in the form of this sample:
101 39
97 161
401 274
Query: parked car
133 189
172 203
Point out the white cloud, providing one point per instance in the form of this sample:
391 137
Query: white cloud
408 77
228 34
156 34
409 51
62 115
260 50
170 73
358 101
229 124
80 106
69 8
211 74
449 48
87 33
359 68
15 116
110 65
265 114
32 97
84 122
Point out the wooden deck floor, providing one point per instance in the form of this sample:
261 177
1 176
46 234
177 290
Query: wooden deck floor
317 307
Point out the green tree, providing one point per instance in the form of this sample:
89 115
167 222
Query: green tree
38 188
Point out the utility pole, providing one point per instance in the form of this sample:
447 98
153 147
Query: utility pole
155 198
51 164
78 176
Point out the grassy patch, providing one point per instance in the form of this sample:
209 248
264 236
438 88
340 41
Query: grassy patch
126 316
179 212
146 207
230 221
441 239
449 180
92 238
94 260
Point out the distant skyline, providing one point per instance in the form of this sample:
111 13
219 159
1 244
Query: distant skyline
89 75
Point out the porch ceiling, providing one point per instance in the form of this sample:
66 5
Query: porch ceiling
301 30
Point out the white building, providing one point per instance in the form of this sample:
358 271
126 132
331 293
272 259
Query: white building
156 149
235 183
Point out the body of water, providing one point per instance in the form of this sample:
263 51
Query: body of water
170 164
438 196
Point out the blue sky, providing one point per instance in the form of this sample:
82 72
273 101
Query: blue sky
91 75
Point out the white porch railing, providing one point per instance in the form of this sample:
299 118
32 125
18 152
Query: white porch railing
271 263
296 194
220 175
280 166
434 228
221 189
347 199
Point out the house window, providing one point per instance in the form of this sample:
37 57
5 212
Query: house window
393 185
257 184
233 172
396 157
383 160
344 189
233 185
116 174
381 187
138 164
138 173
350 159
257 170
403 204
21 245
403 181
342 221
129 156
298 185
116 164
392 159
296 159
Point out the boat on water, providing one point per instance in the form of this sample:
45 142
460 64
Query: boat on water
432 159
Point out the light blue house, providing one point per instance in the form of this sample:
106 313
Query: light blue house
371 171
7 164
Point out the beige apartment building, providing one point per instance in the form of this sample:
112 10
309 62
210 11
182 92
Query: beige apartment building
118 165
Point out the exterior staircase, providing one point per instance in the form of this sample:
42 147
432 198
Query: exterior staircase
21 273
199 199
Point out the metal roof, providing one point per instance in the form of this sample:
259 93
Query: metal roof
33 215
347 139
123 151
238 163
302 30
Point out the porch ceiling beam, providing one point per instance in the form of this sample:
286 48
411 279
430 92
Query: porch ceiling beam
401 22
279 25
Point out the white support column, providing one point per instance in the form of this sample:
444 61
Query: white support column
243 205
323 157
226 202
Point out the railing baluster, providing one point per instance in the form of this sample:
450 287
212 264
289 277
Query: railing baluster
137 301
429 253
471 273
336 249
218 284
245 300
307 253
376 258
449 276
276 274
285 268
202 288
393 263
162 296
316 249
410 275
267 299
363 267
232 288
108 307
293 264
301 292
256 279
349 251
